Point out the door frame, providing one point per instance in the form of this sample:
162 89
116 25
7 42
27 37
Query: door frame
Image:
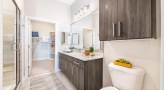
162 46
1 45
27 49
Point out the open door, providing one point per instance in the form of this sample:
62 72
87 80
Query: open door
30 47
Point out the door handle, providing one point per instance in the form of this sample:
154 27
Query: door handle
119 29
113 29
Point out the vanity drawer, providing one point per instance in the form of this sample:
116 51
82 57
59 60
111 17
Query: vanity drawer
79 63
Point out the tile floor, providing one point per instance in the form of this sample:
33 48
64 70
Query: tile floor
43 68
8 77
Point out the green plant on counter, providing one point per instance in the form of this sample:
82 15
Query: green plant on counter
122 60
91 49
71 48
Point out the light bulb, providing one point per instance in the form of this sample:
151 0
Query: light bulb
75 16
78 14
85 8
81 12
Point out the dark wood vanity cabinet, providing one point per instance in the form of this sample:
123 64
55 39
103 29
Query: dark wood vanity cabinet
84 75
127 19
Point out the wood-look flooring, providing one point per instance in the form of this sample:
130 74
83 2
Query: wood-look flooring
44 77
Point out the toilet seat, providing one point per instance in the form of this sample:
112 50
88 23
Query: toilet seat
109 88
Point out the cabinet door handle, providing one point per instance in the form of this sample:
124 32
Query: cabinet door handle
113 29
72 70
119 29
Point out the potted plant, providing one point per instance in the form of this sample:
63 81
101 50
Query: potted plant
123 62
71 48
91 49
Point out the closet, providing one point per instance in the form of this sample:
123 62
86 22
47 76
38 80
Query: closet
43 40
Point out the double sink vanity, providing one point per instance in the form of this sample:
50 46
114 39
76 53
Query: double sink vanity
84 72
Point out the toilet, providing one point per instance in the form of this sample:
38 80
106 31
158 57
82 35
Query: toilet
125 78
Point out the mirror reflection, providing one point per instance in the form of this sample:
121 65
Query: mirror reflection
88 30
66 38
75 38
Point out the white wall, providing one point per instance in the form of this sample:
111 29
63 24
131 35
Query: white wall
43 28
54 11
20 4
143 53
48 10
162 45
1 46
96 35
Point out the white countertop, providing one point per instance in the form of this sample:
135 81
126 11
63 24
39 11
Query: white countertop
82 57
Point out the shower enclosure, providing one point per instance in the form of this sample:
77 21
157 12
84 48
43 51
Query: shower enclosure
11 43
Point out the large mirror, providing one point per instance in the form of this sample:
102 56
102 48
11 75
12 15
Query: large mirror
88 30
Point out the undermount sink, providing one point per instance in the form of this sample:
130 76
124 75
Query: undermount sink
67 51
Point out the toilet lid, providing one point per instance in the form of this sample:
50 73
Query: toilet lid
109 88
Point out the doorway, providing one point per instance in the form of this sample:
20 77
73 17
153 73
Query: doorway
42 51
11 43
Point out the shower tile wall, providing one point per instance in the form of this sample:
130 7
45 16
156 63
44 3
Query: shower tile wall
8 38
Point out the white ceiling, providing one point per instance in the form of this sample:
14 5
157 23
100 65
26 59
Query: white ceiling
69 2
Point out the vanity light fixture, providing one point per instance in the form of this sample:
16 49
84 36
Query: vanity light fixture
82 11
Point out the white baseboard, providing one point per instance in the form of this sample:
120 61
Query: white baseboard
41 59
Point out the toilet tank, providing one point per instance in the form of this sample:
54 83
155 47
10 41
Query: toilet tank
126 78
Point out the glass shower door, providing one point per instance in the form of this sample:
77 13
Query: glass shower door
11 43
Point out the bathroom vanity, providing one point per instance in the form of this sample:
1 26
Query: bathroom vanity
84 72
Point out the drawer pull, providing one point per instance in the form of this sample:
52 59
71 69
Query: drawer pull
119 29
